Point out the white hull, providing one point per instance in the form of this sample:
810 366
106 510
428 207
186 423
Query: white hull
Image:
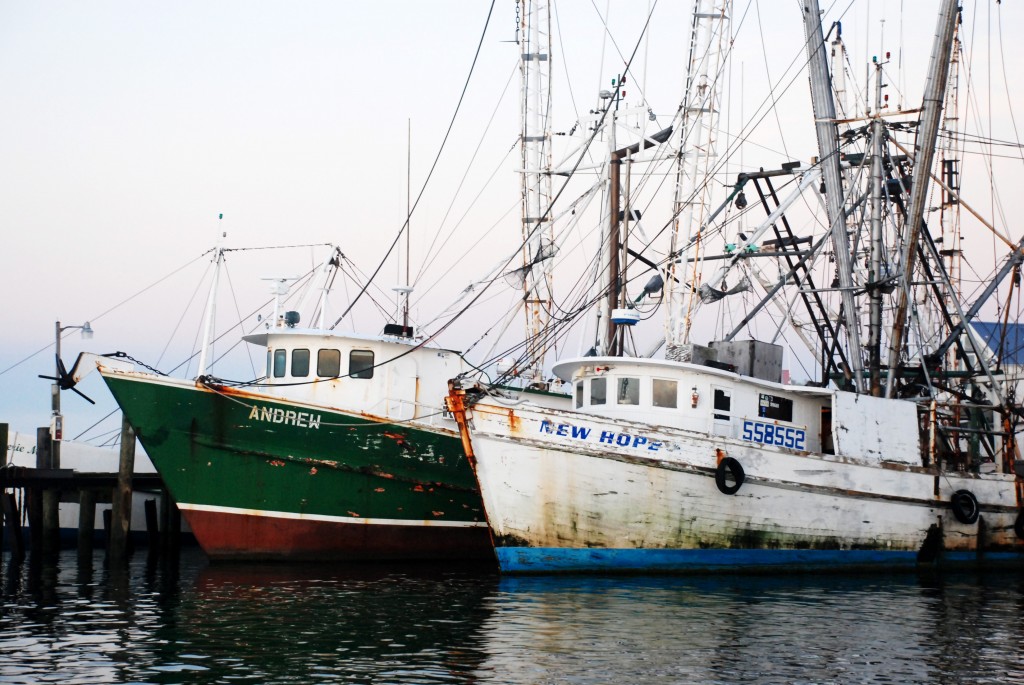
561 503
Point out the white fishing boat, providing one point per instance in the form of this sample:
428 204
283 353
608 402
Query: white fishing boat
708 459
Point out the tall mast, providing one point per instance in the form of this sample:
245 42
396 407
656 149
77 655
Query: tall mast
924 152
210 315
535 146
949 159
828 153
875 274
408 226
699 109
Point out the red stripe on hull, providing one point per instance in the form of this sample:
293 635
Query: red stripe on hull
240 536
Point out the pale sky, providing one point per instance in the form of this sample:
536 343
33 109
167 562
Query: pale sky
127 127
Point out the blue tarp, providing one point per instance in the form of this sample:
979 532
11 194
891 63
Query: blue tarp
992 333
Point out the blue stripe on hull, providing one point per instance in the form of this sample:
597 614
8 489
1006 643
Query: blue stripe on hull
590 560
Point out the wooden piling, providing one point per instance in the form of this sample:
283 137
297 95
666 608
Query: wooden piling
12 522
43 454
51 521
152 528
34 510
43 511
170 524
86 521
121 511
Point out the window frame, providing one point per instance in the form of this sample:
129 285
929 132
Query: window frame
624 388
320 363
675 393
361 370
296 365
725 393
280 363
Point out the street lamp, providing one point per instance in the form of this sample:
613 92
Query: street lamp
57 424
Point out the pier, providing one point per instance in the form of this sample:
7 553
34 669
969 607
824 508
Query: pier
45 486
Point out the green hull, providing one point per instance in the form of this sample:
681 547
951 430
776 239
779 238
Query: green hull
257 477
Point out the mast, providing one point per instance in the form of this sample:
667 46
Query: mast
211 308
699 109
828 152
875 273
535 147
924 152
408 226
950 164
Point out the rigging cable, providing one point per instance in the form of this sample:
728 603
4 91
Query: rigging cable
430 174
116 306
429 255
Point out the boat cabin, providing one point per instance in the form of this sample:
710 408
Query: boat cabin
716 401
387 375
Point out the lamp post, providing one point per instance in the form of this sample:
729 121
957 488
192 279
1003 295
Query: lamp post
57 427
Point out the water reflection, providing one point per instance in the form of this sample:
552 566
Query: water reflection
381 623
902 629
88 622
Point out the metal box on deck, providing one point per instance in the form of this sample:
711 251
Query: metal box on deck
751 358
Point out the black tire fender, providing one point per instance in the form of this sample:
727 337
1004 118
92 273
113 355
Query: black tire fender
729 467
1018 525
965 506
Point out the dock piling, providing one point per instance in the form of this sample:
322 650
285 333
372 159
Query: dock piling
86 521
121 509
12 522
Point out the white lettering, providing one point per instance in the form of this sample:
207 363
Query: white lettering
288 417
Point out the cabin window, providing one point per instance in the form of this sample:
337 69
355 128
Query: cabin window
280 361
629 391
579 394
328 363
360 364
300 363
598 390
723 404
665 393
772 407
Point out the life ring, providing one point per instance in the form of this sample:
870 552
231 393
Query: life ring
965 506
1018 525
726 468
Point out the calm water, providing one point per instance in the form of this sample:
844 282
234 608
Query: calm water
201 623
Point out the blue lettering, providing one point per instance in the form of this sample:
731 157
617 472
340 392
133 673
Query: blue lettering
639 440
773 434
622 440
608 437
562 430
654 446
580 432
545 426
